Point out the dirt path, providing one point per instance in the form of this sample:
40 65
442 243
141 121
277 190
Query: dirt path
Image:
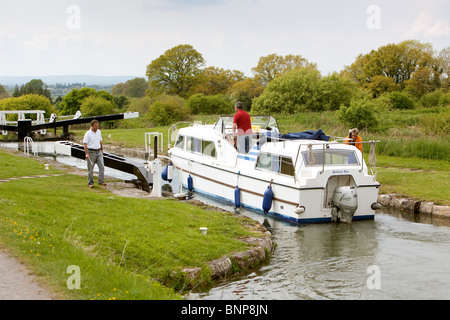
16 282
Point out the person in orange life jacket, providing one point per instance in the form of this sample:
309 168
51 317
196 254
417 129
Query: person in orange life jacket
354 139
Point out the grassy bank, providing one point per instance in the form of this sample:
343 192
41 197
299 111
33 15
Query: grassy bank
423 179
126 248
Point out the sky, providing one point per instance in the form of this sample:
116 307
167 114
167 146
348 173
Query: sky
117 38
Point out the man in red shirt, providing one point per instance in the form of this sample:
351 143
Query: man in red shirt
243 125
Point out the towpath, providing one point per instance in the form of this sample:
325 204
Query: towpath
17 283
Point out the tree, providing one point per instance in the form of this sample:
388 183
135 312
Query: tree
216 104
28 102
296 91
176 71
400 100
273 65
134 88
118 89
167 110
245 91
444 58
72 101
336 91
3 93
16 93
408 64
382 84
97 106
35 86
214 80
360 114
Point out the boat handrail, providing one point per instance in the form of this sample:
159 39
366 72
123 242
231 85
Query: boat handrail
172 129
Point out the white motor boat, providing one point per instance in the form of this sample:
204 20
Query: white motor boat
301 178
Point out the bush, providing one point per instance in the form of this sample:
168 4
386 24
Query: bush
431 99
71 102
167 110
336 91
444 100
436 123
28 102
296 91
216 104
220 104
400 100
360 114
97 106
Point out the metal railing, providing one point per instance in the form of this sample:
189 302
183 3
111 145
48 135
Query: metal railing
28 144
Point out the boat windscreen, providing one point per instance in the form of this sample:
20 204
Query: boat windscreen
264 122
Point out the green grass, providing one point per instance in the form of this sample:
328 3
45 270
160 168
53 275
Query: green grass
412 163
13 166
126 248
423 179
422 185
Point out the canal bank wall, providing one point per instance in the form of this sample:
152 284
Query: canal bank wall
414 206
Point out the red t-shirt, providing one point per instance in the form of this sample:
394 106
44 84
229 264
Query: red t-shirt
243 122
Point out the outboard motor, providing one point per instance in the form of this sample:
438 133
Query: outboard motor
344 204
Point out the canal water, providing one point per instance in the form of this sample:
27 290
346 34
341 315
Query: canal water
395 256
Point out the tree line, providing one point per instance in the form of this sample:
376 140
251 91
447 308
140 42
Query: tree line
178 83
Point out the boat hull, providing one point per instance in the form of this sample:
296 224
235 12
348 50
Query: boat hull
220 183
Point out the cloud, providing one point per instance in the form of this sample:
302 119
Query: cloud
426 25
439 29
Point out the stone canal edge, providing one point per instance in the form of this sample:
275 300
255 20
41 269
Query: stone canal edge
414 206
262 247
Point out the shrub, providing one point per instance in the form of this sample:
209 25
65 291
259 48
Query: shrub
28 102
336 91
360 114
444 100
97 106
167 110
216 104
296 91
198 104
74 99
220 104
431 99
400 100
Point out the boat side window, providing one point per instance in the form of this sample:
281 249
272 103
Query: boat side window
180 142
190 144
275 163
209 148
197 145
330 157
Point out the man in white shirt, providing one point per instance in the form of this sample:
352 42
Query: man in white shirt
93 149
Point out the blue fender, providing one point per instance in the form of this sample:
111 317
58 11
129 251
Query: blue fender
190 183
164 173
237 197
267 199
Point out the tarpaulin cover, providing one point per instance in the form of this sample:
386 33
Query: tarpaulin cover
309 135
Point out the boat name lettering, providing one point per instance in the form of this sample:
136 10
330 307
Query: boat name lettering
341 171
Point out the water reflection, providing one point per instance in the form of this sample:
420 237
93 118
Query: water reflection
330 261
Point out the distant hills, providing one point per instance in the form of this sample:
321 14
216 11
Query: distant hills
66 79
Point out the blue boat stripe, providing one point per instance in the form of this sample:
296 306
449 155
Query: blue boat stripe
246 158
279 215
